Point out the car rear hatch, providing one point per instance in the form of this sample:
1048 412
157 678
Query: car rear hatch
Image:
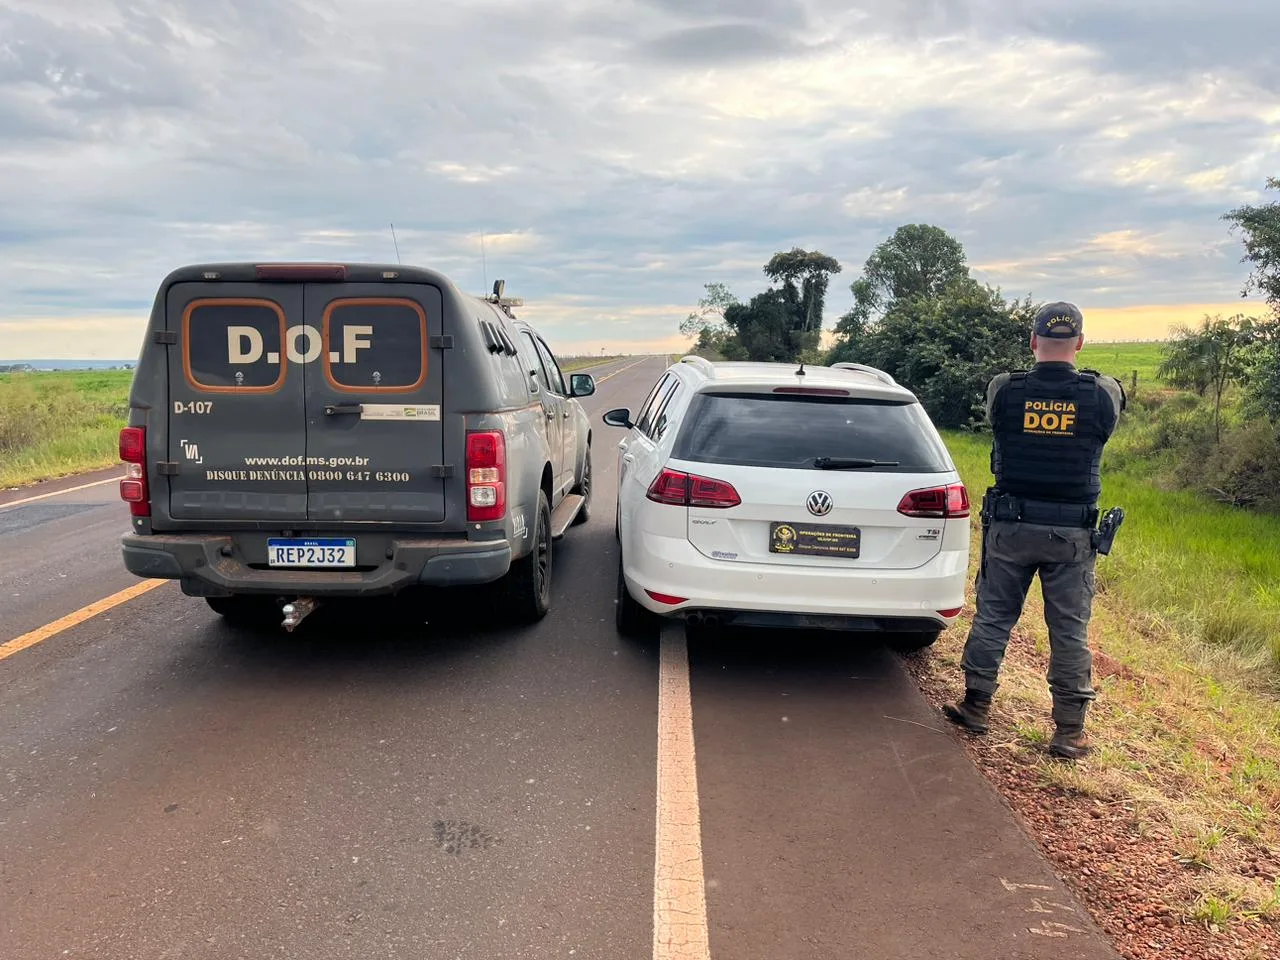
305 398
879 503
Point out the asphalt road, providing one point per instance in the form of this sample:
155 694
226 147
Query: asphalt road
394 780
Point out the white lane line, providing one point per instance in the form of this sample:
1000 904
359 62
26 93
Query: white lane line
679 892
59 493
624 369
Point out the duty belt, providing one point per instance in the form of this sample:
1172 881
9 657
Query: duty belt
1004 507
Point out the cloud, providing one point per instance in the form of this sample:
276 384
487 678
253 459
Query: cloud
618 155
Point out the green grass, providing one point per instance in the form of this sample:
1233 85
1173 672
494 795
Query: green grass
55 424
1120 360
1210 571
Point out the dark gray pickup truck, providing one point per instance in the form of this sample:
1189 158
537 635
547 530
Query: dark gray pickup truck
299 431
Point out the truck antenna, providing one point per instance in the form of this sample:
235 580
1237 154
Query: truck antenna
395 241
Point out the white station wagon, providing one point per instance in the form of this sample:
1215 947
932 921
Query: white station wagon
777 495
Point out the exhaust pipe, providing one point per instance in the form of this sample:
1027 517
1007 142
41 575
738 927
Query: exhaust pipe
297 611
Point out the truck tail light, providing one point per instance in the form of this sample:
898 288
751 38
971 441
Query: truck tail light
688 490
950 502
133 488
486 476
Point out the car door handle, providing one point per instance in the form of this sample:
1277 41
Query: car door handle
338 409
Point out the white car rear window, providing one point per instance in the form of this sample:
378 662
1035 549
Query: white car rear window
767 430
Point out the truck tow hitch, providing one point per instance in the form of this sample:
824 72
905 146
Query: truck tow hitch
297 611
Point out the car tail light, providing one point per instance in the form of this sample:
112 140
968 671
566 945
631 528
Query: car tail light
133 488
486 476
665 598
689 490
948 614
950 502
813 391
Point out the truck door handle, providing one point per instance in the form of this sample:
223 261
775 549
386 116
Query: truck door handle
628 458
338 409
551 415
566 414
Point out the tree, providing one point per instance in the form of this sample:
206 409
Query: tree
919 260
812 271
1213 357
1261 227
767 328
707 324
947 346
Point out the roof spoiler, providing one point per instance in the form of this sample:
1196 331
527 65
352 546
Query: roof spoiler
863 368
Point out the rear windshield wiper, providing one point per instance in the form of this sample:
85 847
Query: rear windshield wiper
851 463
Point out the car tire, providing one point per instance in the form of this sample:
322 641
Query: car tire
527 587
912 642
246 610
584 489
631 619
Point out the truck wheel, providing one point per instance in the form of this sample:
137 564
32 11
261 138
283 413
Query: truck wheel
584 489
528 584
631 619
246 611
912 642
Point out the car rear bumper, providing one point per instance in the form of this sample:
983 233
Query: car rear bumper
753 594
220 565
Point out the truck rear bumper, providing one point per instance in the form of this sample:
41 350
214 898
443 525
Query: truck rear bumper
214 566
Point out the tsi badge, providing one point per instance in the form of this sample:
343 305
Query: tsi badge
304 344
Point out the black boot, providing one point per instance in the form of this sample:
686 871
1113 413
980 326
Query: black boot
971 713
1069 741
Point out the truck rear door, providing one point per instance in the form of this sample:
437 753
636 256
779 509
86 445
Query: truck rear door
373 393
236 414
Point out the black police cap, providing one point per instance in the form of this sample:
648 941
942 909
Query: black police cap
1059 321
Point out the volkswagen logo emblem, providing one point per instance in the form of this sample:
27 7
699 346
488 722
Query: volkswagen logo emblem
820 503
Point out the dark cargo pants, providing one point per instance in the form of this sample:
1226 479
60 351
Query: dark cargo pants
1064 557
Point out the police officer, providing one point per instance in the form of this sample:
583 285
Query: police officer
1049 424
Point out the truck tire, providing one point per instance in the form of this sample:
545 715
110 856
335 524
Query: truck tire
584 489
246 611
527 587
631 619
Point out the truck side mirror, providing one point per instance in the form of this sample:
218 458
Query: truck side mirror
581 385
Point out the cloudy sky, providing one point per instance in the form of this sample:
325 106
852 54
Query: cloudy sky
618 154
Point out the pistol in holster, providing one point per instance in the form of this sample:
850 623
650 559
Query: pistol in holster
1104 536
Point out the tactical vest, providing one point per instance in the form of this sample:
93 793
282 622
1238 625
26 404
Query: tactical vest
1049 438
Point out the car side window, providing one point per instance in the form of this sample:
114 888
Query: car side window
660 418
648 401
649 417
555 377
533 360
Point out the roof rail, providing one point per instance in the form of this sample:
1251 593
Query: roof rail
863 368
702 363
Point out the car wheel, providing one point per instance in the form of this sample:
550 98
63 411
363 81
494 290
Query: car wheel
631 619
912 642
528 584
246 611
584 490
